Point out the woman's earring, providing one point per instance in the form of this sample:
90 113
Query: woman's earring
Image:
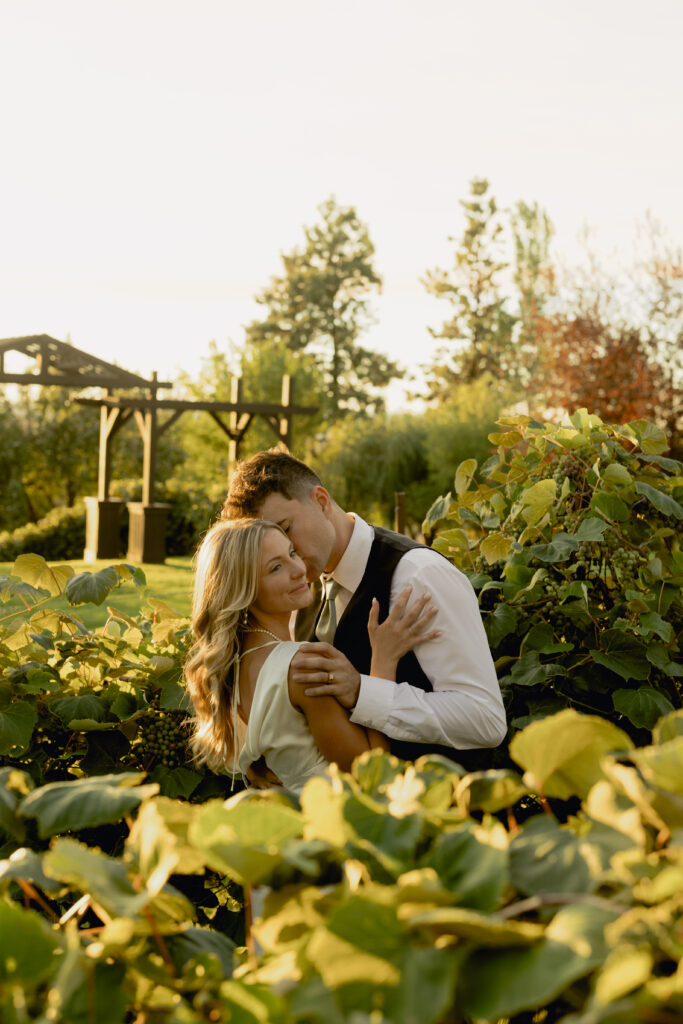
244 617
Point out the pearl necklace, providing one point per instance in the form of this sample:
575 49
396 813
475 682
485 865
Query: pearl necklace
258 629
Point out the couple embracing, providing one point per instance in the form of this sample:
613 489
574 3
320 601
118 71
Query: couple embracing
387 647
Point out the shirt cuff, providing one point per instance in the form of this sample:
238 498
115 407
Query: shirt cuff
374 704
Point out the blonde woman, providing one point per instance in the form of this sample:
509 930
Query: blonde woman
249 580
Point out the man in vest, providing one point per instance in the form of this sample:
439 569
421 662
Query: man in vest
446 697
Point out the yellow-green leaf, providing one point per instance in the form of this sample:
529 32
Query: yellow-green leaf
464 474
537 500
495 547
34 569
617 474
507 439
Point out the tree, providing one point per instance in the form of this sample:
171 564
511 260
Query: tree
480 334
587 362
319 306
534 278
614 344
661 277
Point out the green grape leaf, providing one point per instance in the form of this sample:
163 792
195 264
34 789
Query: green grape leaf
243 838
668 727
28 865
611 507
562 546
622 654
475 872
91 587
591 528
437 511
491 790
561 755
10 589
464 475
652 439
643 707
27 946
537 500
34 569
495 547
658 499
17 719
544 857
90 871
200 942
662 765
500 623
175 782
84 803
523 979
83 705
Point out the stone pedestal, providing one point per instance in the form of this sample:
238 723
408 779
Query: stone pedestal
147 532
102 528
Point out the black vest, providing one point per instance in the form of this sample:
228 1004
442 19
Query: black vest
351 637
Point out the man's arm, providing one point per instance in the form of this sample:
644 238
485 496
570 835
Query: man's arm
465 709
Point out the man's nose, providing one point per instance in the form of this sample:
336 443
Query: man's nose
298 570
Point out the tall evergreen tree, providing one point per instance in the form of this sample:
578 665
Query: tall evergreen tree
319 306
480 333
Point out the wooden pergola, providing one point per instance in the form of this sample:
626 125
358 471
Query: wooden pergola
59 364
56 363
115 411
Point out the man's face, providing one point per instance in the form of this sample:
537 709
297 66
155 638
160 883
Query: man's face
308 525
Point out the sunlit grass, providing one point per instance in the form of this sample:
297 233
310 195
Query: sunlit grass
171 582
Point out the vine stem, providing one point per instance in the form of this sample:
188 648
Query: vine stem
160 944
545 805
551 899
32 894
658 1016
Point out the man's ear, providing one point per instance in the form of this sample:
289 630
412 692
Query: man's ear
322 499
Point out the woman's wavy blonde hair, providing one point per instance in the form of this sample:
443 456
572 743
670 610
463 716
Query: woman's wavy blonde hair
227 577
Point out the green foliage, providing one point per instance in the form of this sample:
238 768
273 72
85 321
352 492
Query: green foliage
396 892
92 702
59 534
572 542
366 460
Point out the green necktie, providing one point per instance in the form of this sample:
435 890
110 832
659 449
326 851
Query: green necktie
327 623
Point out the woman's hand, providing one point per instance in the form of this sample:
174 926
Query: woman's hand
403 629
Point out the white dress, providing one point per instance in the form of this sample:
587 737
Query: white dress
276 730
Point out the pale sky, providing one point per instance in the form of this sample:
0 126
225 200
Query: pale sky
158 156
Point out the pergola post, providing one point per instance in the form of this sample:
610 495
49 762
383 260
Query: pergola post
285 418
233 426
102 513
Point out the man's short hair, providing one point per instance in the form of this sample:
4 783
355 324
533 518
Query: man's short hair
271 472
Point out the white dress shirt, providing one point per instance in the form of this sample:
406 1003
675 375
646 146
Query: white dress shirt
465 708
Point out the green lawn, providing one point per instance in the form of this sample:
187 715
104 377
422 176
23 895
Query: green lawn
172 582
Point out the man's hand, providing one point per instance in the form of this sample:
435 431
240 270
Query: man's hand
260 776
322 663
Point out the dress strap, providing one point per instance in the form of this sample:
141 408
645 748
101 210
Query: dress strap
259 647
236 701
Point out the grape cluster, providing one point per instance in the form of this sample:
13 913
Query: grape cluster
568 466
562 625
162 739
595 559
51 739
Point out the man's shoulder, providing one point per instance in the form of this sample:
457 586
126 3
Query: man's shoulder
397 540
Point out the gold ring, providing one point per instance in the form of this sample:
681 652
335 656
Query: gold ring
330 677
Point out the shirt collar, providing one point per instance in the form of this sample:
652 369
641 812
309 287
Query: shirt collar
350 568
